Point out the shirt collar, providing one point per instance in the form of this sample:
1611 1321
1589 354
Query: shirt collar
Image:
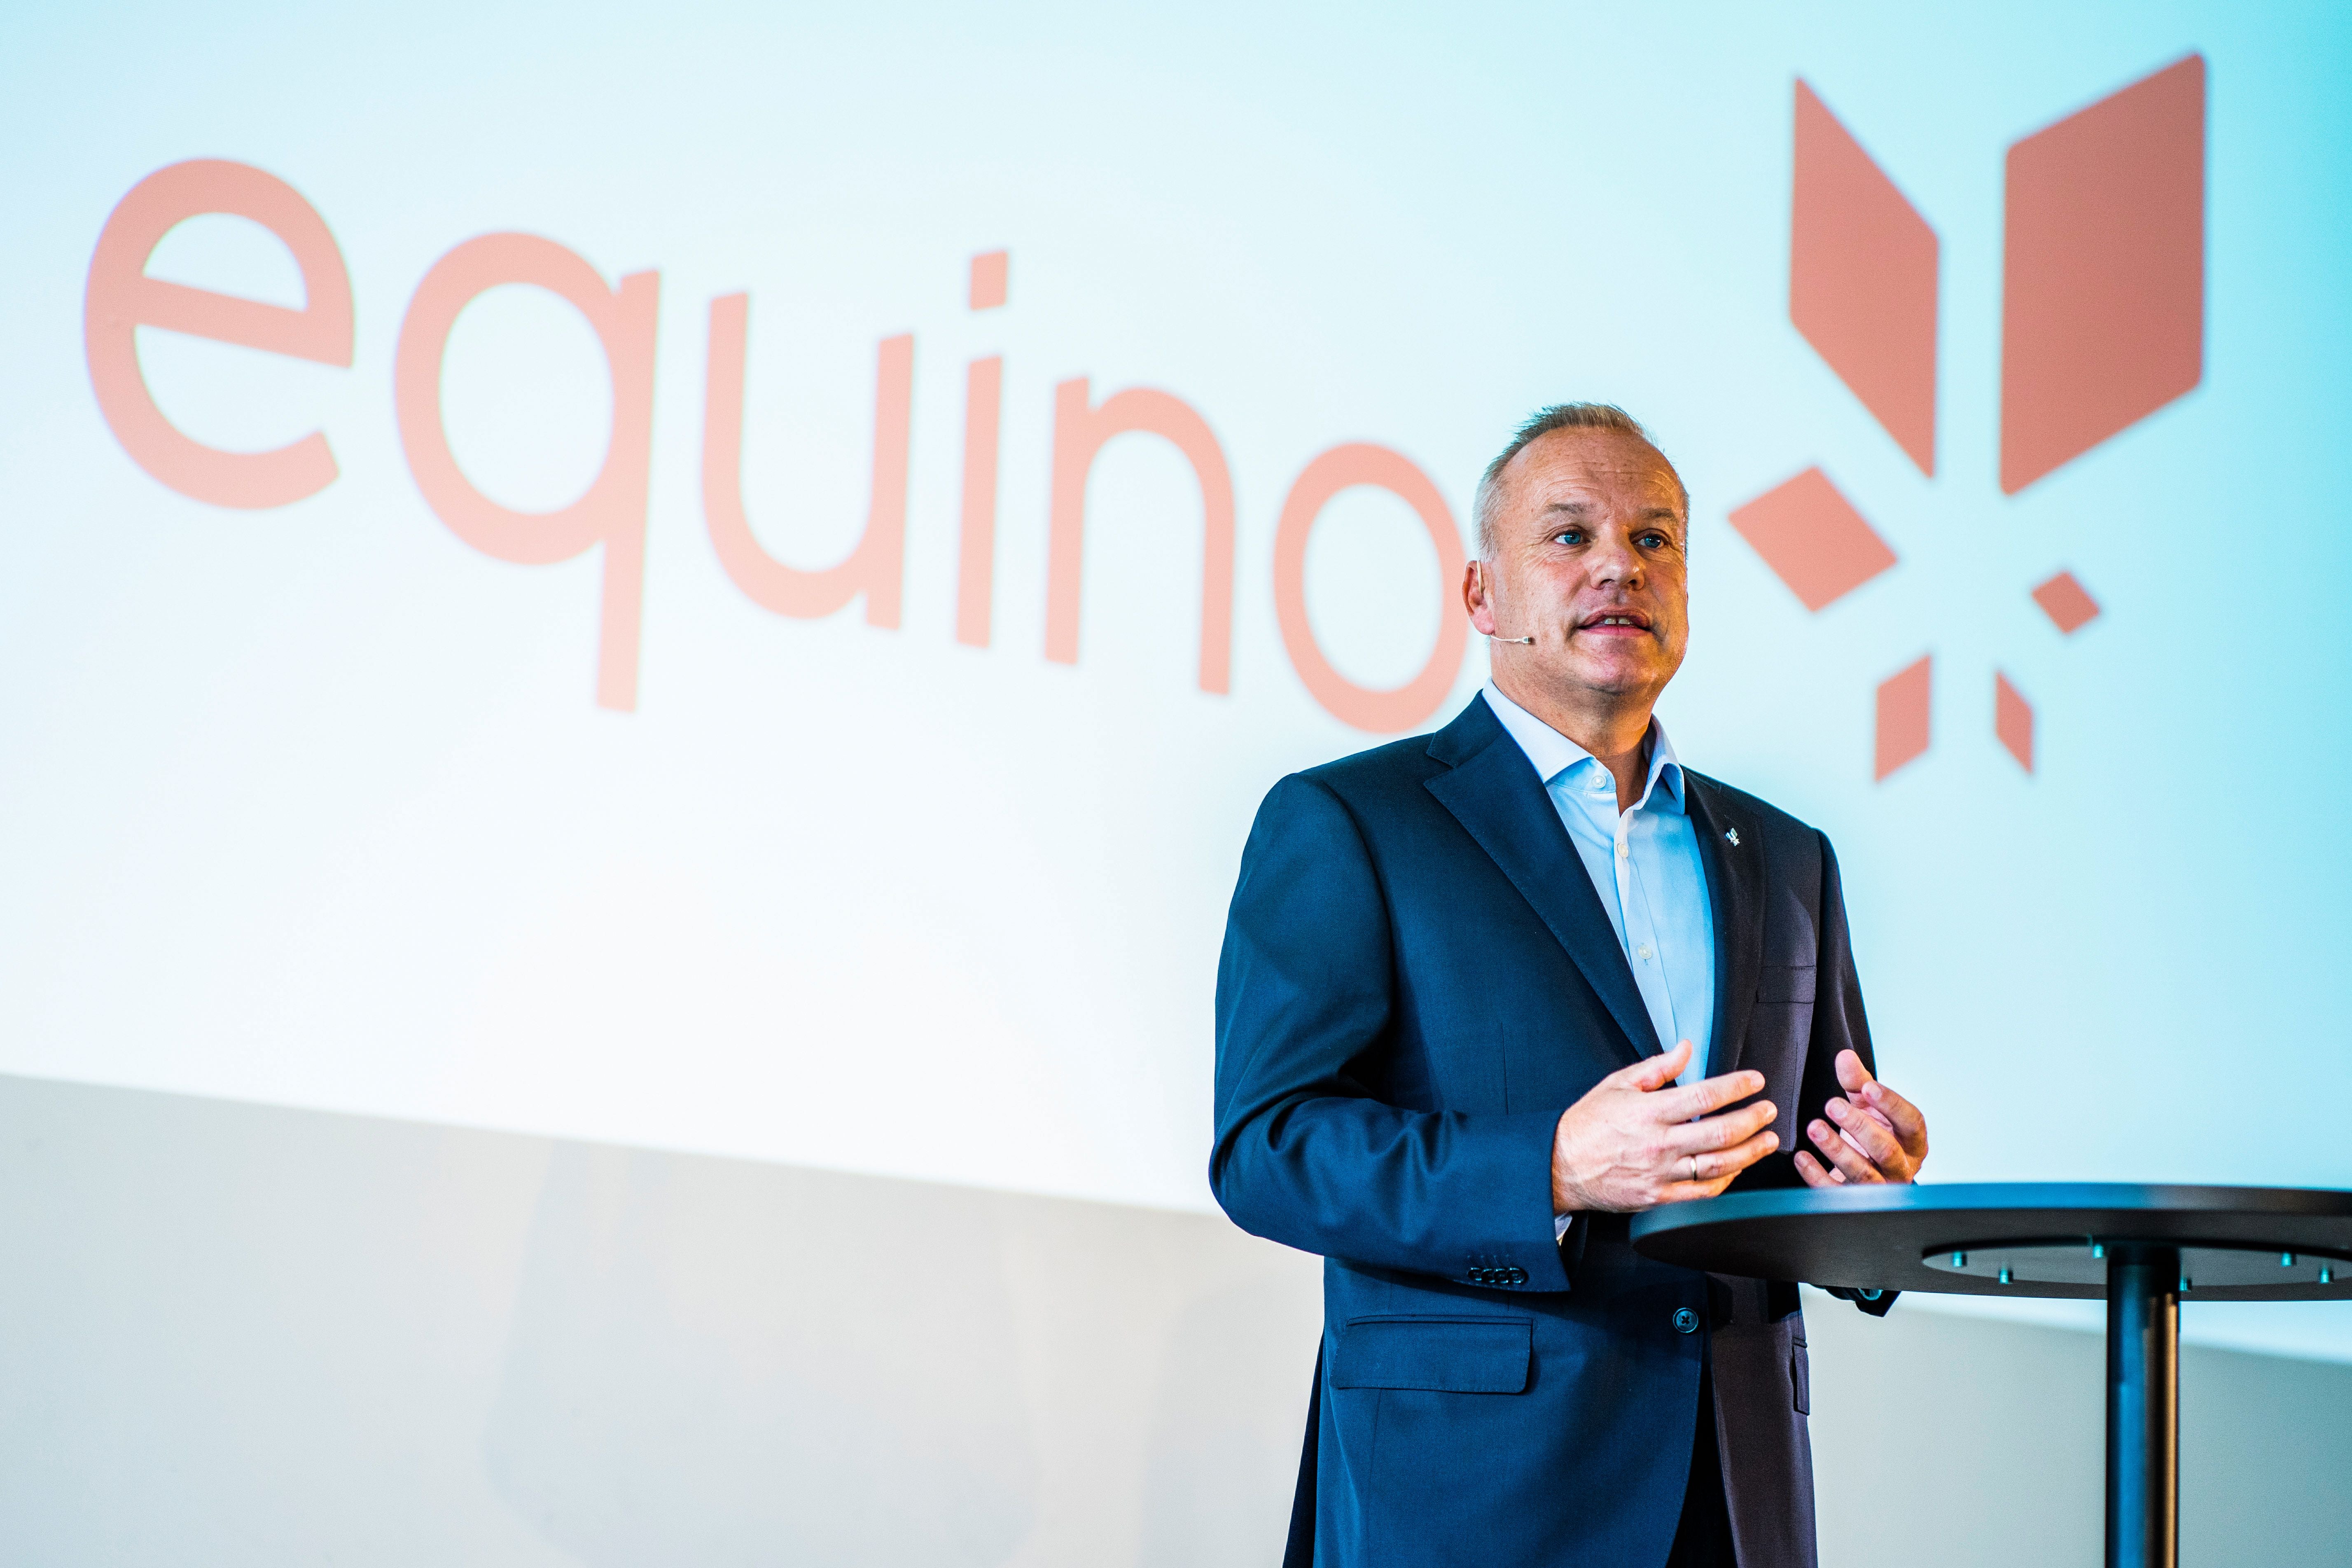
1553 753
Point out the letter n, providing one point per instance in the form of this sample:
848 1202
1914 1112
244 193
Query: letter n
1080 430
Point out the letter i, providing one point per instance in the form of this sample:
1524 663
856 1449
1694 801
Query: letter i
983 392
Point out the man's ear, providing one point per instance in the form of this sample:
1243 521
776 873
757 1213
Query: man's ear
1476 599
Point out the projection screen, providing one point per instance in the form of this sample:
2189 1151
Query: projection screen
731 582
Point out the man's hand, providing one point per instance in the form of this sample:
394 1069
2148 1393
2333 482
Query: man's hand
1879 1137
1633 1144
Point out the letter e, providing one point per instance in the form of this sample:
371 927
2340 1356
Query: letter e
120 298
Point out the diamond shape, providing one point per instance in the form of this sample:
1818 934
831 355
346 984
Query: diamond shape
2013 721
1812 539
1903 701
1861 279
2103 293
2067 603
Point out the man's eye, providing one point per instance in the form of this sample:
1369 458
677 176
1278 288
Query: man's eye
1653 542
1568 536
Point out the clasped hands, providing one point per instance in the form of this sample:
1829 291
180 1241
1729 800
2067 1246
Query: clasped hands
1636 1140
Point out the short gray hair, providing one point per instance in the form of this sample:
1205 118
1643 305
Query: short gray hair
1542 422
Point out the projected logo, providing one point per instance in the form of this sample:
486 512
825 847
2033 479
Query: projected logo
2103 323
612 516
2102 317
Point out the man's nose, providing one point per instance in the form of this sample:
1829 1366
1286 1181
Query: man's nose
1614 562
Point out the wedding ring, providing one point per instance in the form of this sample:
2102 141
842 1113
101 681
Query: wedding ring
1694 1159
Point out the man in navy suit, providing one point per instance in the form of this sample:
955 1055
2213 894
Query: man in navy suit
1451 971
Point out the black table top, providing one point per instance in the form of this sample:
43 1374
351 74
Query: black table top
2015 1238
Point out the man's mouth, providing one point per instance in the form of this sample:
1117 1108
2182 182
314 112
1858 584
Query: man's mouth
1617 622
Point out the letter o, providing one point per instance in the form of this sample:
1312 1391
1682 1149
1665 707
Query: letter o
1366 707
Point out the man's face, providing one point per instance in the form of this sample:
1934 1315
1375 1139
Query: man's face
1588 558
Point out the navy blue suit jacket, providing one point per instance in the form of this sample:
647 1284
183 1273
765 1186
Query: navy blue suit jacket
1418 978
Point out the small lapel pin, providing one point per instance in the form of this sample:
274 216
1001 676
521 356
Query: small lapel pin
1732 834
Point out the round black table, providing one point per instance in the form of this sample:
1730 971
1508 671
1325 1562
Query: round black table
2145 1249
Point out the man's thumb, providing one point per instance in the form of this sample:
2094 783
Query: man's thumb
1658 1071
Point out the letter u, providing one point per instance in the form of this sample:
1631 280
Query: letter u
876 567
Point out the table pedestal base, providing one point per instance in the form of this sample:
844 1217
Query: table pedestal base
2143 1405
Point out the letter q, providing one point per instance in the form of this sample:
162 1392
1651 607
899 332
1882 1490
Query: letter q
612 513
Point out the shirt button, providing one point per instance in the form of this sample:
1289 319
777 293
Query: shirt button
1623 849
1643 950
1685 1320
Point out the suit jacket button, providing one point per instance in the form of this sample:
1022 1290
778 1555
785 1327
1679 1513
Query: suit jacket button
1515 1276
1685 1320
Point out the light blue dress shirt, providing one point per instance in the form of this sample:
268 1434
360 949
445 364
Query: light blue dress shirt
1645 864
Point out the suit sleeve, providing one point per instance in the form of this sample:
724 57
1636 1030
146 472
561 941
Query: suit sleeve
1305 1154
1838 1025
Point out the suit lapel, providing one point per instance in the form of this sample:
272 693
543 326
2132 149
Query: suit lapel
1496 796
1735 894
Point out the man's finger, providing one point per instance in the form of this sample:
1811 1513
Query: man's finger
1901 1114
1708 1095
1652 1072
1833 1148
1868 1133
1712 1133
1683 1192
1843 1158
1851 1074
1721 1165
1716 1170
1830 1177
1867 1092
